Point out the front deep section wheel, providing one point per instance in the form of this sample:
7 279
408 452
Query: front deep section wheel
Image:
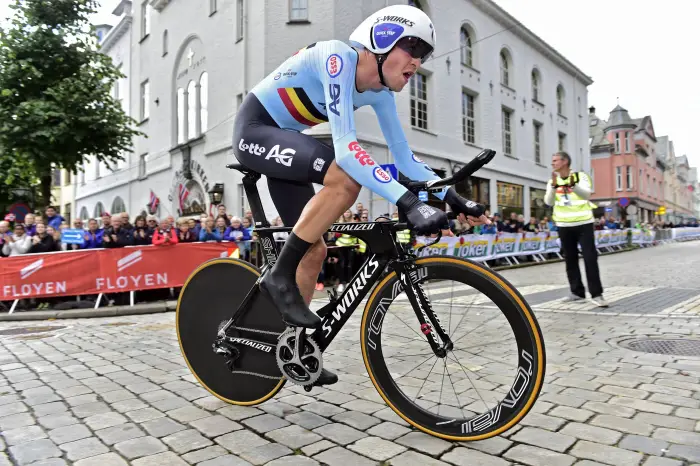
488 374
244 370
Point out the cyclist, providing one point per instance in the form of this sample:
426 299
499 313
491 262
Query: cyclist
327 81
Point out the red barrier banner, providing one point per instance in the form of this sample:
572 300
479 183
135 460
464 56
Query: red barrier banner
103 270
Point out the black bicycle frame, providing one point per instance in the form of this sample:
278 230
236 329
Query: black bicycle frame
380 239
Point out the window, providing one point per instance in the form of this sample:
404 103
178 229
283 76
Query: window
242 199
239 101
653 188
118 206
535 85
627 143
67 179
648 186
97 214
142 165
468 120
561 142
641 181
204 102
212 7
507 135
505 76
165 42
239 20
510 198
416 3
560 100
191 110
537 133
298 10
145 19
84 214
145 99
617 143
465 41
592 180
82 175
181 122
56 177
419 101
630 178
618 178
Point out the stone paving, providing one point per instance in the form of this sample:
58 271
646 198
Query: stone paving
116 391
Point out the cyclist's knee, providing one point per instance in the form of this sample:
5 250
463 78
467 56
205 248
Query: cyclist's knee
338 178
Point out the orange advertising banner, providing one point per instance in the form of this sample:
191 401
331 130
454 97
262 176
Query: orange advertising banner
73 273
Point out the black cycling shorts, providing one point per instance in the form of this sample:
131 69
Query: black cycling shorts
292 161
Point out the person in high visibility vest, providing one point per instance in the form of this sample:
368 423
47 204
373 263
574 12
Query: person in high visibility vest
568 191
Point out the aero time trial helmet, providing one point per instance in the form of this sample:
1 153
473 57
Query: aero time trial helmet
403 25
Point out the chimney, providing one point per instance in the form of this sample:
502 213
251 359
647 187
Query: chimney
591 110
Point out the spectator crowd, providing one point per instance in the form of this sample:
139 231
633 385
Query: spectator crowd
346 254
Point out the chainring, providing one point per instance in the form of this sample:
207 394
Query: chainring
301 370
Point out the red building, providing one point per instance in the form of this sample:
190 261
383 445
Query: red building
624 164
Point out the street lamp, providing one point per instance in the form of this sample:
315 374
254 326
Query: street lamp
216 194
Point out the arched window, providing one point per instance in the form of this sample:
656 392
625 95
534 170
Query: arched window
99 210
536 85
118 206
560 100
191 110
465 41
204 101
84 214
181 121
505 68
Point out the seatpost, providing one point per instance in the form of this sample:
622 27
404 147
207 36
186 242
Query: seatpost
251 191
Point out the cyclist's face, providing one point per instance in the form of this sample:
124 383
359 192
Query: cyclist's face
398 68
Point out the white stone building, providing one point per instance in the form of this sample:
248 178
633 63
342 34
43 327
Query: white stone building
188 67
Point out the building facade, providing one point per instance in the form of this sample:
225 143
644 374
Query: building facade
188 69
630 163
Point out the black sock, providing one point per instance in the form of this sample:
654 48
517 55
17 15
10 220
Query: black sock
292 253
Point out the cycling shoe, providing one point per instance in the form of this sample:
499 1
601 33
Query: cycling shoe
284 293
423 218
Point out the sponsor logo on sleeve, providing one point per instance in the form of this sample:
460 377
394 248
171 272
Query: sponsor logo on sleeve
360 154
416 158
334 92
278 75
381 176
318 164
334 65
386 34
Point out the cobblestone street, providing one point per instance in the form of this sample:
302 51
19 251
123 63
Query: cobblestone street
116 391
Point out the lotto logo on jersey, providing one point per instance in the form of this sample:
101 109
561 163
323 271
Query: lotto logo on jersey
334 65
360 154
381 176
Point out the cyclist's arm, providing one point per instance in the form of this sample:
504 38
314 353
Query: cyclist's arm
334 63
406 161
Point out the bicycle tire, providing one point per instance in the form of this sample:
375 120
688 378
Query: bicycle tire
209 297
523 324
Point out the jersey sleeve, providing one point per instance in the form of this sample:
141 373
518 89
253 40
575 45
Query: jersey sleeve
406 161
336 64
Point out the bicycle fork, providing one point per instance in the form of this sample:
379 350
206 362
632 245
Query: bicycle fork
430 326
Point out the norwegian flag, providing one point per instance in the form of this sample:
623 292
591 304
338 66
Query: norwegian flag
153 202
183 192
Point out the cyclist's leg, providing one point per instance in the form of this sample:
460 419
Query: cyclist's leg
289 198
287 155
